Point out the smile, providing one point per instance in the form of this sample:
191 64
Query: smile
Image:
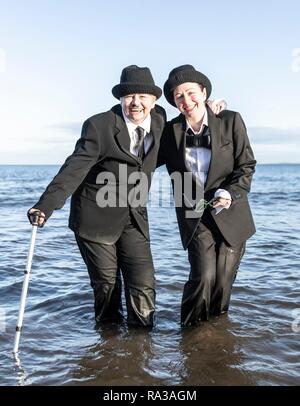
189 108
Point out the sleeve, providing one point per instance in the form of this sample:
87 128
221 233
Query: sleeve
224 194
239 182
73 171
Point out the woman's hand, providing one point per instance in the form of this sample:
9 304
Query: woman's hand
221 202
217 105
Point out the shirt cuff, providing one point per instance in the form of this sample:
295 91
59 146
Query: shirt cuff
222 193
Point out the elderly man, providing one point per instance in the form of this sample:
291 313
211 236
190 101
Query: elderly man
116 148
216 151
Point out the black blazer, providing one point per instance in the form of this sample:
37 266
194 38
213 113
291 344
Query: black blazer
231 168
104 146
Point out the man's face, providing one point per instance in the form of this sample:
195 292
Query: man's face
190 99
137 106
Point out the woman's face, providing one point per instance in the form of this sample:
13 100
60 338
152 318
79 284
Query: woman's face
190 99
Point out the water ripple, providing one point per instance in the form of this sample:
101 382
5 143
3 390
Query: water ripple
256 344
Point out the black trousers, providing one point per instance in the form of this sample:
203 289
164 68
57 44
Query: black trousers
131 254
214 265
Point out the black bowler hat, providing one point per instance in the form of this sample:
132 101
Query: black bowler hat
136 80
183 74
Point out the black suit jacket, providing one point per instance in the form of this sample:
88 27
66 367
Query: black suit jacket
231 168
104 146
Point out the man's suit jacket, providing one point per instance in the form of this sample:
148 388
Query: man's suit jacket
104 146
231 168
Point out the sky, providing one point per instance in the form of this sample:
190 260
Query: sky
60 59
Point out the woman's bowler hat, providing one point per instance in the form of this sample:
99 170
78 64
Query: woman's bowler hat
183 74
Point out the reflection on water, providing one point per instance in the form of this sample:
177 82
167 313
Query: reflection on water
22 378
122 356
213 355
206 355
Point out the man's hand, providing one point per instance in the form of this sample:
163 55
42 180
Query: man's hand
36 217
217 105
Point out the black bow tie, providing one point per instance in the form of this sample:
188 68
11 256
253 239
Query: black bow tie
198 140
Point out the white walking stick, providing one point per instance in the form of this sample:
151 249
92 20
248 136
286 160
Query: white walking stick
25 288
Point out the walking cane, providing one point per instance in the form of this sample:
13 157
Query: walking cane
25 285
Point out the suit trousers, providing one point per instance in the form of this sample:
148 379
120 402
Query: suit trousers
132 255
214 265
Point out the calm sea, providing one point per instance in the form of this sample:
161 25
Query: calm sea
258 343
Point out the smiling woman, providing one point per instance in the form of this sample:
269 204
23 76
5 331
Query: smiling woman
189 99
216 150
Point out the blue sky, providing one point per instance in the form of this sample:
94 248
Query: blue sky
60 59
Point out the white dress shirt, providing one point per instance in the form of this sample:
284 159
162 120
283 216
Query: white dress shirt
198 160
148 138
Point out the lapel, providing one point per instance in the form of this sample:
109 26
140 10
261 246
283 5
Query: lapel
123 139
179 134
157 126
121 133
214 124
